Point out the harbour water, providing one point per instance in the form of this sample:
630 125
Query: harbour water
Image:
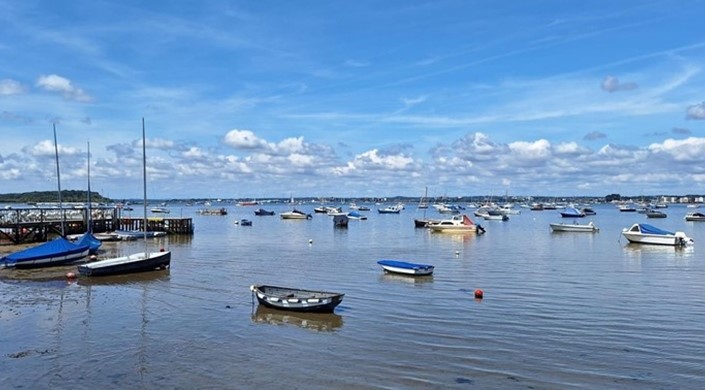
560 310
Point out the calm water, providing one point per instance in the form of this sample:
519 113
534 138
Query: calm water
561 310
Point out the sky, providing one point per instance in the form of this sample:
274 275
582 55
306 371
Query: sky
263 99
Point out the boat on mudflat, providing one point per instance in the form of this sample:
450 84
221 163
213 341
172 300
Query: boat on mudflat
406 268
574 227
51 253
136 262
642 233
294 299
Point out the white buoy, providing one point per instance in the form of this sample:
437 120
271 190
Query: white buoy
457 253
310 241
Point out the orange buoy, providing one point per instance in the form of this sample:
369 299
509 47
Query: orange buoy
479 294
70 275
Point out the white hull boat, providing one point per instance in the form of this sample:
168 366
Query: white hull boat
457 224
406 268
641 233
574 227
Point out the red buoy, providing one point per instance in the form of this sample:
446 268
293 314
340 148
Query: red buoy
479 294
161 250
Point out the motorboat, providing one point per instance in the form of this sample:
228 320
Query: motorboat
694 217
262 211
294 299
395 209
295 214
457 224
572 212
406 268
574 227
652 213
642 233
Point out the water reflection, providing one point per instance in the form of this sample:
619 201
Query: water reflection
401 278
135 278
315 321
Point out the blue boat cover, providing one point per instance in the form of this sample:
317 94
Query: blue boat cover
90 240
650 229
60 246
403 264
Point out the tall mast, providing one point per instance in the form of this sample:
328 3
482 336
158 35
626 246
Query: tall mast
58 181
144 182
90 216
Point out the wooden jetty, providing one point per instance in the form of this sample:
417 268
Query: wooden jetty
37 224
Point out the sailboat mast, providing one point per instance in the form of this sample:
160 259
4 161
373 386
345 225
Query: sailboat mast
58 181
144 182
90 216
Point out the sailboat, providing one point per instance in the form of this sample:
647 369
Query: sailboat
88 238
136 262
423 204
51 253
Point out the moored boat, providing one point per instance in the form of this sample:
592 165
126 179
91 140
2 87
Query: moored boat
574 227
650 213
457 224
642 233
51 253
406 268
294 299
136 262
295 214
262 211
693 217
572 212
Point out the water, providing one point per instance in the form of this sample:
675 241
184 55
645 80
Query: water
561 310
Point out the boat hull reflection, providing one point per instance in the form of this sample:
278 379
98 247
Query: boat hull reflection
324 322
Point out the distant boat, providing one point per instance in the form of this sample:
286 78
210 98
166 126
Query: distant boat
395 209
220 211
574 227
295 214
588 211
137 262
641 233
248 203
261 212
693 217
160 210
245 222
406 268
655 214
627 208
572 212
457 224
294 299
340 220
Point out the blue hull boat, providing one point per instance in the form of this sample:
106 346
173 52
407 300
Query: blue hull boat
406 268
48 254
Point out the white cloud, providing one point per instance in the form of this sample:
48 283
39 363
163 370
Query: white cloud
244 139
46 148
696 111
612 84
535 151
11 87
687 150
55 83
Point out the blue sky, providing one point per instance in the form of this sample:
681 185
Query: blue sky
354 98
